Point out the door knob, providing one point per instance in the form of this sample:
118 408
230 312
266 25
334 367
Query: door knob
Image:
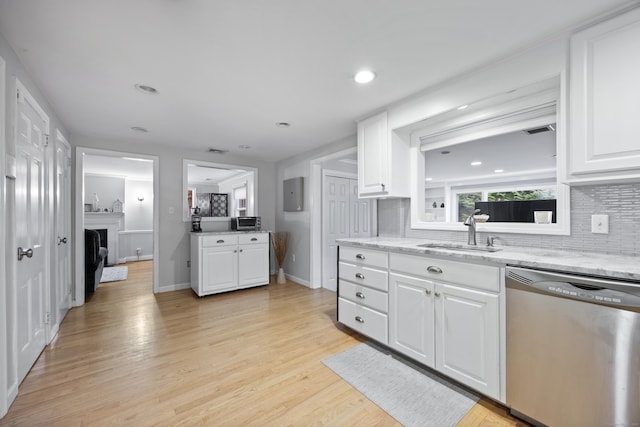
22 253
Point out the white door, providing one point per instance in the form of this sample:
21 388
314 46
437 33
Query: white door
411 320
467 331
219 268
335 225
32 126
359 213
253 265
62 246
343 215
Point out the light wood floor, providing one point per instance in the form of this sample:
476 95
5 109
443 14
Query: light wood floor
246 358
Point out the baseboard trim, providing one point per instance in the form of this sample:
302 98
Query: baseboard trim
298 280
134 258
174 287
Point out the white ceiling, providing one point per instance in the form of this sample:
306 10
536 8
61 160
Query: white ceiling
140 169
518 154
227 71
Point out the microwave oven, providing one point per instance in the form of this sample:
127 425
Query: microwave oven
246 223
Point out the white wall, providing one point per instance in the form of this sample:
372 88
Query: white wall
108 188
298 224
138 215
173 233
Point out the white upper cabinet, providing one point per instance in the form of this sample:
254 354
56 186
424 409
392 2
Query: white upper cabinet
604 140
382 163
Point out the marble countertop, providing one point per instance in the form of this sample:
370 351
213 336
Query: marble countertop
213 233
590 263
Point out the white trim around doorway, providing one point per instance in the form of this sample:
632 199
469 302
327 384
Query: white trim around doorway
79 215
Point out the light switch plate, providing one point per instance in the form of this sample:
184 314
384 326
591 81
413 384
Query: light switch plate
600 224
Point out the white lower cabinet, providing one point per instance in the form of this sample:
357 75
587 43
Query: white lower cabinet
225 262
452 328
411 327
467 332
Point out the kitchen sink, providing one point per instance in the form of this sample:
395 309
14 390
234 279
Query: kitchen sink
459 247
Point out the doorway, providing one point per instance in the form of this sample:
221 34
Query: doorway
116 192
342 164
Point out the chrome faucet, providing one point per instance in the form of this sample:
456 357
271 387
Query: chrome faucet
471 223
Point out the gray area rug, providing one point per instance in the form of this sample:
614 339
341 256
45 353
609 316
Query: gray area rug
410 394
114 274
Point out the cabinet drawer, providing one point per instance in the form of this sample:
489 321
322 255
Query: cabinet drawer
253 238
360 256
364 320
219 240
367 276
473 275
363 295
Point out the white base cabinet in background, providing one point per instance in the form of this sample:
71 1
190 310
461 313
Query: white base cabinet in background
225 262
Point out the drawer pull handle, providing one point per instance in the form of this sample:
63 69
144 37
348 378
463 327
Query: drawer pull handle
220 241
434 269
359 276
359 319
428 291
360 256
360 295
254 239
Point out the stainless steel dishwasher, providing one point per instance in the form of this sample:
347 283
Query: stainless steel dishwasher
573 349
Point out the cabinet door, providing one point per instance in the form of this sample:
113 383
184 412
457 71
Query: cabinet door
467 331
411 317
253 265
605 105
373 155
219 269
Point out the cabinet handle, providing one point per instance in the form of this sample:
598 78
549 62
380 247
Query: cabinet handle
254 239
359 276
437 294
241 250
220 241
360 295
428 291
359 256
434 269
359 319
235 251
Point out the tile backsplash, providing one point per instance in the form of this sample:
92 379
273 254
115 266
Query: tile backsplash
620 201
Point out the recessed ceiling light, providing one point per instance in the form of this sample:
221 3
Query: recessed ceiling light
499 170
476 163
283 124
462 107
364 76
147 89
139 129
244 147
428 179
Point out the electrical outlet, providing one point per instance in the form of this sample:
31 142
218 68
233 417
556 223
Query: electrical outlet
171 210
600 224
138 251
293 257
188 264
